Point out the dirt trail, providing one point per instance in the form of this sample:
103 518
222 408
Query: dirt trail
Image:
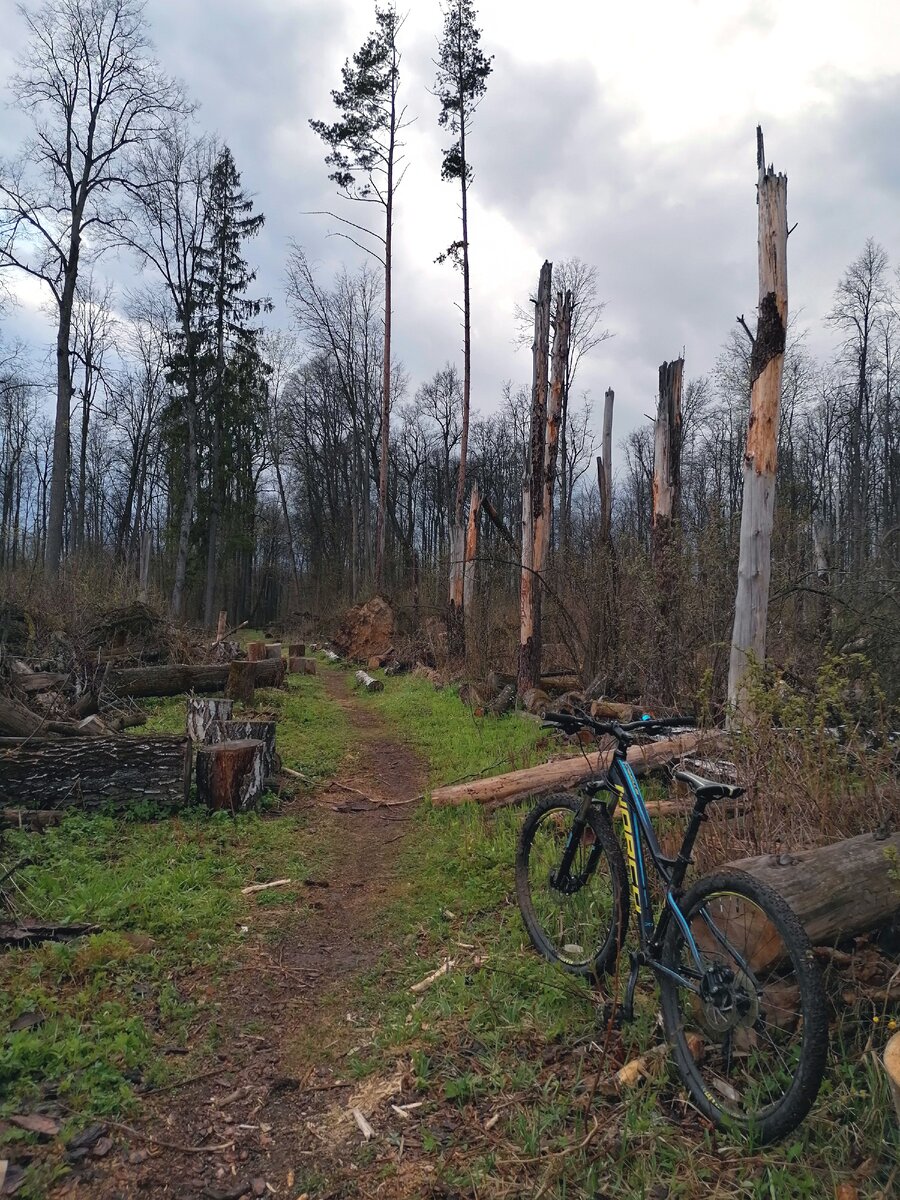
276 1099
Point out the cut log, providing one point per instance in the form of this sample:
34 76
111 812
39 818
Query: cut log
504 702
371 685
241 682
273 650
242 731
230 775
32 819
331 656
566 772
608 710
19 721
90 772
309 666
297 650
172 680
203 712
838 890
256 651
37 681
536 701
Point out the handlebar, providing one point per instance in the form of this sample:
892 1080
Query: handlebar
622 732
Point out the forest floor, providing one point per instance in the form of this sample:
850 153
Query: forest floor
208 1044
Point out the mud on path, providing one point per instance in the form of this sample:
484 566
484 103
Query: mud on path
271 1107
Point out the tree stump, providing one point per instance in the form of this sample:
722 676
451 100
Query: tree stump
297 650
295 665
250 730
256 651
230 775
273 650
203 712
241 683
309 666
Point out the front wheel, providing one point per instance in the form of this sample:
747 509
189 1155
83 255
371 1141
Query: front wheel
748 1026
578 921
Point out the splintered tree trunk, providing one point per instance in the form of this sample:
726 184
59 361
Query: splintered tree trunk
766 364
456 636
544 520
230 775
604 467
241 683
202 713
90 772
533 492
666 496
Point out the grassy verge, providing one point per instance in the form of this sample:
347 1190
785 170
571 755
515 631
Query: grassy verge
455 743
502 1045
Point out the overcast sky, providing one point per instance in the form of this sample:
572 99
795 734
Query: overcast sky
621 133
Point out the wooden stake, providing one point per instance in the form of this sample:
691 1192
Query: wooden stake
766 366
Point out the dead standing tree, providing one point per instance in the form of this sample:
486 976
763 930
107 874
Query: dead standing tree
664 532
540 477
766 364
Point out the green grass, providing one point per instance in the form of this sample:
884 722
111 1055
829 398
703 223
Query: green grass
167 898
506 1034
455 743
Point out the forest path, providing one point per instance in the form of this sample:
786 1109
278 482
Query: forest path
276 1103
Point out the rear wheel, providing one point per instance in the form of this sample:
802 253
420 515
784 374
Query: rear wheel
580 921
751 1039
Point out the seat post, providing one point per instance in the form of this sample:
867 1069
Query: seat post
683 861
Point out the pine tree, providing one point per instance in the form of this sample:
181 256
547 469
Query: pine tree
462 72
365 154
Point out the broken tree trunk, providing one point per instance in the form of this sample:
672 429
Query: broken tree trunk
838 890
748 638
230 775
172 680
604 467
203 712
456 634
566 772
222 625
89 772
370 684
241 682
664 534
533 491
254 731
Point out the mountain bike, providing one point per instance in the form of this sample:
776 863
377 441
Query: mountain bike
743 1004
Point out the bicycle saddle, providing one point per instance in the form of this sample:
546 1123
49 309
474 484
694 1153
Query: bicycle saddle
709 789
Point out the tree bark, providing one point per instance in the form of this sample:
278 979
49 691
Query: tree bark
567 772
838 890
256 731
203 713
533 492
256 651
766 364
230 775
241 681
363 679
89 772
664 528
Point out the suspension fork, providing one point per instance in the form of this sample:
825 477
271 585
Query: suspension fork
574 840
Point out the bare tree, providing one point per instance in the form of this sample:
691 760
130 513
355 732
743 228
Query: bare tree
95 94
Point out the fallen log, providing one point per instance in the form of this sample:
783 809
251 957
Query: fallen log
171 680
230 775
29 932
838 890
19 721
371 685
37 681
34 820
331 656
566 772
90 772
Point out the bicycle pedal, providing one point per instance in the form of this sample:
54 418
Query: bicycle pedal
611 1014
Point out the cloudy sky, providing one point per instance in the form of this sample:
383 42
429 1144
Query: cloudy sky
624 134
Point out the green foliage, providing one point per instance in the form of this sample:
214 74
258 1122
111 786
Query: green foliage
461 81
